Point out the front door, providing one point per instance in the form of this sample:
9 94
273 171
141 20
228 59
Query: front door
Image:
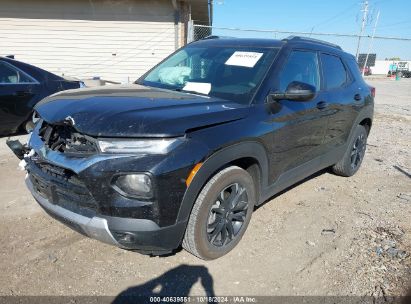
299 126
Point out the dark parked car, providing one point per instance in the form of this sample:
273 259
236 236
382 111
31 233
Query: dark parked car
185 154
366 71
406 74
21 87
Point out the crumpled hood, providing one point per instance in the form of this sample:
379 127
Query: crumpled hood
137 111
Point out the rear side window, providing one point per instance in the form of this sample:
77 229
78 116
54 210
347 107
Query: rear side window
334 71
301 66
11 75
354 68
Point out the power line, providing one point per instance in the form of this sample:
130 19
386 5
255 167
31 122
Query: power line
395 24
333 18
276 31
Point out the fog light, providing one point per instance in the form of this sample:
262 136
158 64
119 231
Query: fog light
137 185
125 237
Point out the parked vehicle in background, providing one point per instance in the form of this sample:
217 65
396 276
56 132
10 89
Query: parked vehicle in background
406 74
403 67
22 86
366 71
185 154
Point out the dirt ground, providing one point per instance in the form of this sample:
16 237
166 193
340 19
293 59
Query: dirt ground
326 236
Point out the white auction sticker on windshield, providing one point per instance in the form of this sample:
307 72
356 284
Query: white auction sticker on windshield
199 87
245 59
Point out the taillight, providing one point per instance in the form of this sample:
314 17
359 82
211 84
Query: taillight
372 91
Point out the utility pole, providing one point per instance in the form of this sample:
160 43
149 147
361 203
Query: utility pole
371 43
363 23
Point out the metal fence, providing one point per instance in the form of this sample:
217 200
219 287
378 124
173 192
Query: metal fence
384 47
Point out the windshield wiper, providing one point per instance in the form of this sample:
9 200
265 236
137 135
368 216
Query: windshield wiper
190 92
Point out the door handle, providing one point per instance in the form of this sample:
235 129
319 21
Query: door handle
22 93
322 105
357 97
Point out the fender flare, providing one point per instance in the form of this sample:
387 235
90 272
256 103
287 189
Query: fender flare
365 113
219 159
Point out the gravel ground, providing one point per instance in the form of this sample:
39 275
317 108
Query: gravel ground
326 236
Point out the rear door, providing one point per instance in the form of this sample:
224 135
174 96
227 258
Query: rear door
298 126
17 91
344 97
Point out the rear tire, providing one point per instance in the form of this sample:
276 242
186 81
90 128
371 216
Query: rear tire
220 214
354 155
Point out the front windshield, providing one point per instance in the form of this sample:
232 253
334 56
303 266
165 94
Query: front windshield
232 73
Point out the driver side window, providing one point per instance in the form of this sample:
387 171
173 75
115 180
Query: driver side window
301 66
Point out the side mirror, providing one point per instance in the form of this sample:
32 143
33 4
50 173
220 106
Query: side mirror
297 91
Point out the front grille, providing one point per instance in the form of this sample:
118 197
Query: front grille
61 187
64 138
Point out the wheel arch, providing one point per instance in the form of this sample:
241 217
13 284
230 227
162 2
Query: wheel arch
250 156
364 118
366 123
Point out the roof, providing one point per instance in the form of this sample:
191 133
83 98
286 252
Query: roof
247 42
295 41
34 71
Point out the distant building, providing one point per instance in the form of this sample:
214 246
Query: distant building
382 67
114 39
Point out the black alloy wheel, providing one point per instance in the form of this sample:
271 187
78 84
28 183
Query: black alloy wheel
227 215
221 214
354 155
358 150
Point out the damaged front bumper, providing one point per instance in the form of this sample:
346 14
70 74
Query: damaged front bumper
77 191
18 148
94 227
144 235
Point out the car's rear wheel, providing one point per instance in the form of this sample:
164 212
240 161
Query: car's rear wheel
354 155
220 214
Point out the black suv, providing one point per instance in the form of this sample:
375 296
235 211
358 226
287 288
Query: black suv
185 154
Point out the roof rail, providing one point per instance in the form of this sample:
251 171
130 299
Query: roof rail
211 37
299 38
217 37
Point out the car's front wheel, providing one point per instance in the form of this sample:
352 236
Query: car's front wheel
220 214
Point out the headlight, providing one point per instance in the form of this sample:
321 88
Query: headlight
139 146
137 185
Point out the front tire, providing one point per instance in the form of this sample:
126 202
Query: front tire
220 214
354 155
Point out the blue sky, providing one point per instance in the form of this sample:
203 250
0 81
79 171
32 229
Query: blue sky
320 16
